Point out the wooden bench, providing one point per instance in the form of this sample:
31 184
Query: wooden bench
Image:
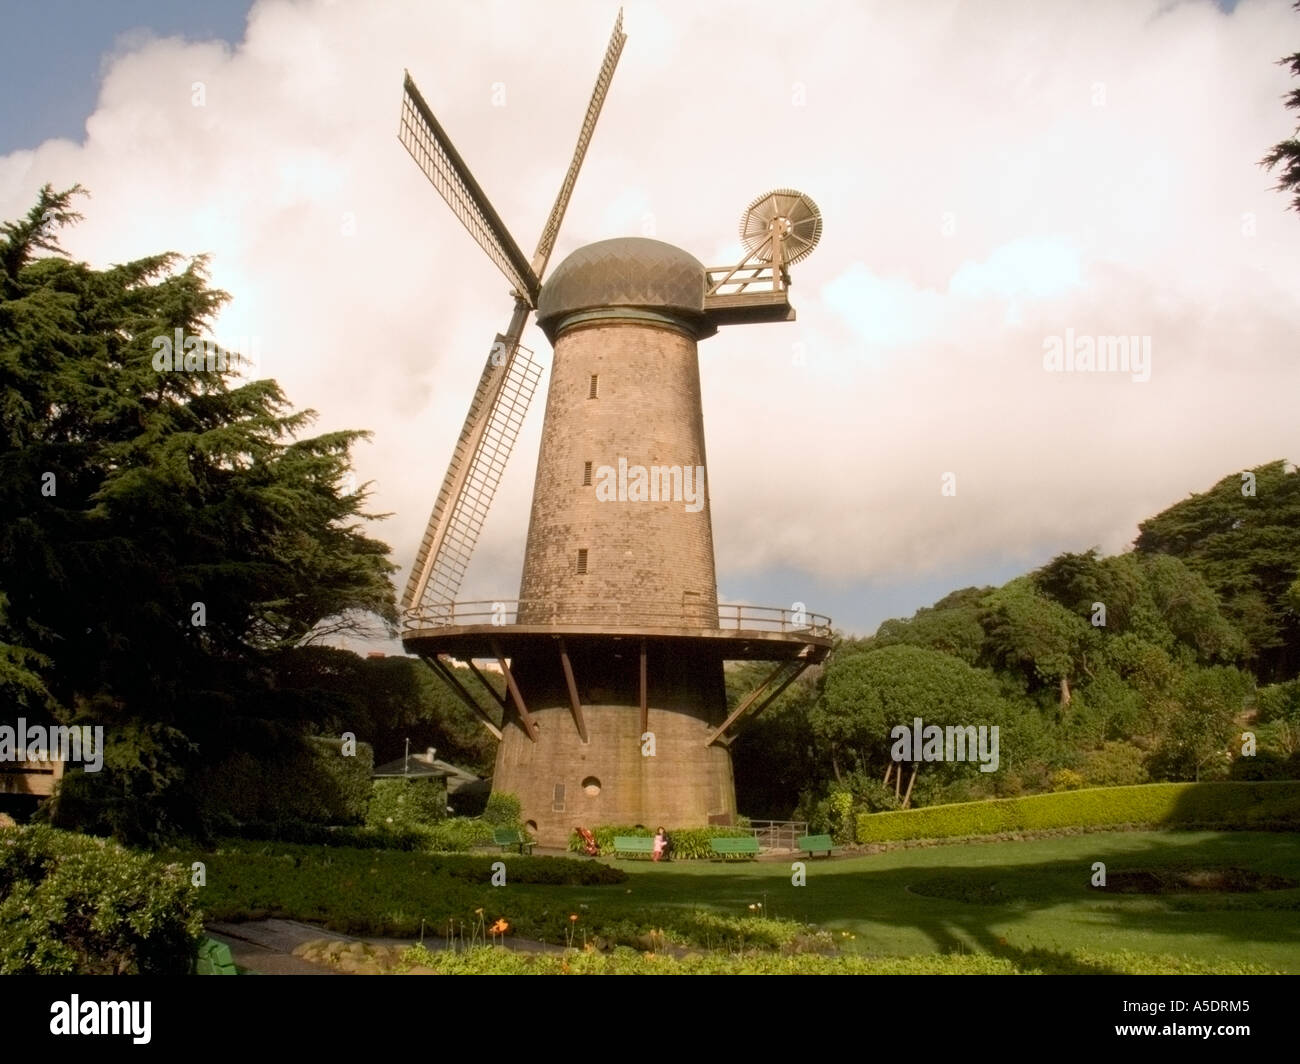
633 845
816 844
746 846
214 959
512 839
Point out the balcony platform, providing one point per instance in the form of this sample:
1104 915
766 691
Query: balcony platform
491 629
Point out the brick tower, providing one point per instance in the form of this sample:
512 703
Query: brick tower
615 709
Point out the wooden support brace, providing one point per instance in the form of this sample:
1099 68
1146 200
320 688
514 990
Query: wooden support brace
740 710
459 690
530 725
575 703
496 695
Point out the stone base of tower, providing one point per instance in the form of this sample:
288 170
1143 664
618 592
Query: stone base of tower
619 774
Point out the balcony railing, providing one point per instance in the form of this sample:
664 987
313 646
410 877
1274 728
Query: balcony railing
644 614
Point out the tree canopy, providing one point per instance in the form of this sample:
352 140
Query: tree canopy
168 532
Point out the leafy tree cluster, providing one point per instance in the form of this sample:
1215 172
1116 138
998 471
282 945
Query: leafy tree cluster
173 544
1148 665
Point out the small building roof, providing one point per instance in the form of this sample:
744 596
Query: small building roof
425 766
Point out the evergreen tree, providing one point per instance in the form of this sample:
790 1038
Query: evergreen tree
166 531
1286 153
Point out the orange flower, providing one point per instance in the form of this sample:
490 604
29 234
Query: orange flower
500 927
573 916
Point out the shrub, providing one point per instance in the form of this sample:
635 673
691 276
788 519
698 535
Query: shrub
1116 764
76 905
406 803
504 810
288 779
841 816
1065 779
556 871
456 834
1244 805
299 831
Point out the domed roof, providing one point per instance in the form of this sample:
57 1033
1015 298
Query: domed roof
629 271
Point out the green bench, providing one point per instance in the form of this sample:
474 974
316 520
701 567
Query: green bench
512 839
816 844
633 845
741 847
214 959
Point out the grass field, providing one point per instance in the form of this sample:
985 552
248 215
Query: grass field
1023 901
1026 896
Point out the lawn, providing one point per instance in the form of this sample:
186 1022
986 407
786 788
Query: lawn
1024 901
1040 897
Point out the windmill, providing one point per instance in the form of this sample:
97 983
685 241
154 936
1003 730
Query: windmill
510 375
615 707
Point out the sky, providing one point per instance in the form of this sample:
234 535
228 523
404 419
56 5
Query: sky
1005 187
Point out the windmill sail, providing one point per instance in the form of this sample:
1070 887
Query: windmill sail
491 428
423 136
510 377
552 227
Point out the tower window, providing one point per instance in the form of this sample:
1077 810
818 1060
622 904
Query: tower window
582 561
586 474
557 800
595 387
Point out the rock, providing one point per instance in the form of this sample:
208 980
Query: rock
348 963
357 948
6 821
420 969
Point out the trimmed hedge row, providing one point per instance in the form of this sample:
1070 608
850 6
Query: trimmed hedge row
557 871
684 844
1236 804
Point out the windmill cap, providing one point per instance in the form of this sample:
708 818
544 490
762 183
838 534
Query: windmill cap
629 273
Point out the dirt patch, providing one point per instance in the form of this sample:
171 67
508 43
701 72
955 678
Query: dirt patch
1229 880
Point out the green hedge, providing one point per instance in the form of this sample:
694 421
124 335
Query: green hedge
685 844
76 905
456 834
504 810
299 831
1243 805
401 803
556 871
295 779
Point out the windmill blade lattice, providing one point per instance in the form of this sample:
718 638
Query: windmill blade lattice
510 377
423 136
496 415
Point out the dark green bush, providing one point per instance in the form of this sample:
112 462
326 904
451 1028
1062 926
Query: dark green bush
76 905
407 803
1115 764
299 831
456 834
1243 805
556 871
504 810
292 779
